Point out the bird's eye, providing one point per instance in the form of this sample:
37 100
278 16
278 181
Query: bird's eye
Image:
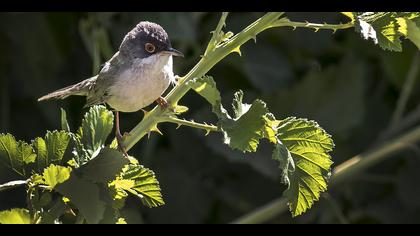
150 48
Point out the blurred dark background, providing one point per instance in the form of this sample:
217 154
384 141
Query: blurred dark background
348 85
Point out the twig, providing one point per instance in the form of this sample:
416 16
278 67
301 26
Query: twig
13 184
206 127
406 90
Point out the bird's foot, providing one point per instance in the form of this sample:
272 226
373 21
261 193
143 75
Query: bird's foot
164 104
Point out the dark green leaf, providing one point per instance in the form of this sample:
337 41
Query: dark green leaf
85 195
104 167
245 132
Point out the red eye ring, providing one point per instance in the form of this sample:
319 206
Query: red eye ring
150 48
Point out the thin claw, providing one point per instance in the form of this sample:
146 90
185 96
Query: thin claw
118 134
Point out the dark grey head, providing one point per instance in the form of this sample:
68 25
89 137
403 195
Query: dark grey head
147 39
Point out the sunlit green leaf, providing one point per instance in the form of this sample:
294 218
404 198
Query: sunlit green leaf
386 28
96 126
140 182
15 216
16 155
51 149
307 175
54 175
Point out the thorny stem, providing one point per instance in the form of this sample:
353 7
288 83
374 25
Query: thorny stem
334 27
215 52
207 127
203 66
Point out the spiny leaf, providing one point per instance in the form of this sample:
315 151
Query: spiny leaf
309 146
16 155
15 216
96 126
140 182
54 175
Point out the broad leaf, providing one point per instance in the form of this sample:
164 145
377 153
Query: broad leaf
206 87
15 216
248 125
386 28
16 155
308 171
96 126
54 175
51 149
247 128
85 195
104 167
140 182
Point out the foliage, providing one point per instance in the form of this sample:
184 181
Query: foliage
55 165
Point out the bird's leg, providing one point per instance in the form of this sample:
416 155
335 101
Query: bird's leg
118 134
162 103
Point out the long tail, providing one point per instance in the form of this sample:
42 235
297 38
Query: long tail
79 89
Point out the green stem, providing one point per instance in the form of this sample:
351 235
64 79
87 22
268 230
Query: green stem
213 41
334 27
202 67
207 127
344 172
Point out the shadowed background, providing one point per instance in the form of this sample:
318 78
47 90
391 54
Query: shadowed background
348 85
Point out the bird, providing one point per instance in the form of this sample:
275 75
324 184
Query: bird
136 76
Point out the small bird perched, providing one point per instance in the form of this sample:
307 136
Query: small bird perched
136 76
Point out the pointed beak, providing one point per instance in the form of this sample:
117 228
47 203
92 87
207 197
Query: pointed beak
174 52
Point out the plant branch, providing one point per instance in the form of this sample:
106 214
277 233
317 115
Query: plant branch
334 27
200 69
216 33
13 184
407 89
207 127
344 172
